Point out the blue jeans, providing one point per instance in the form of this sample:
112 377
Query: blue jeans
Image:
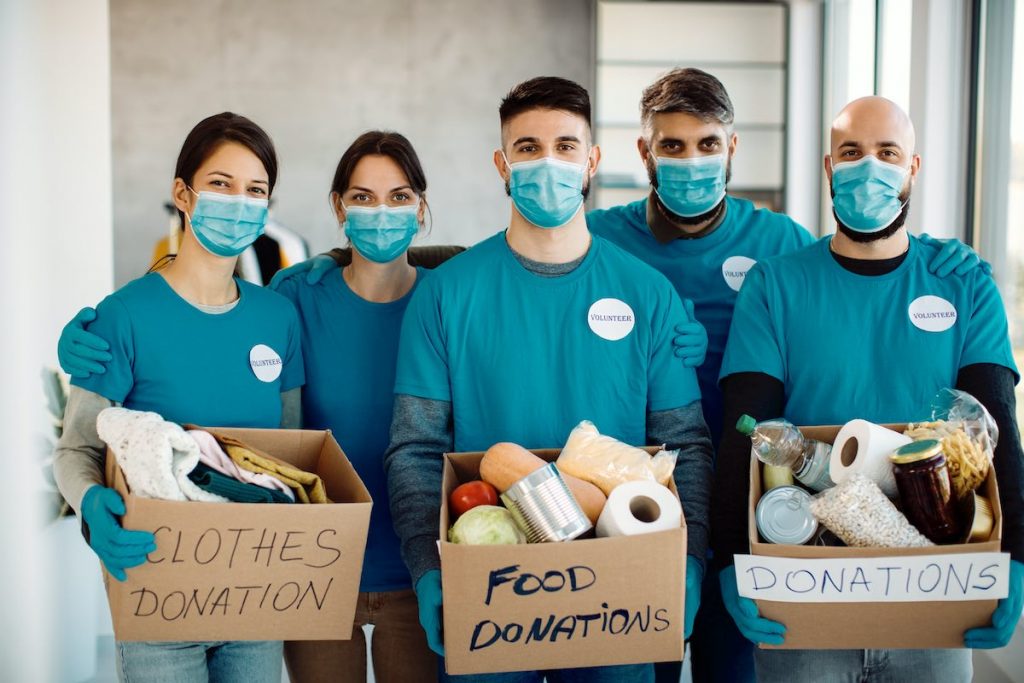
718 651
240 661
864 666
626 673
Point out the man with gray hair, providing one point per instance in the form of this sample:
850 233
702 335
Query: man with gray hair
705 240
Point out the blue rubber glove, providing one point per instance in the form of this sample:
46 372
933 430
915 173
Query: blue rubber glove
694 576
691 342
743 611
118 548
1004 619
314 268
79 352
954 257
428 595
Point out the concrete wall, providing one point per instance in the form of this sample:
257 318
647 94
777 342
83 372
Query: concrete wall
315 74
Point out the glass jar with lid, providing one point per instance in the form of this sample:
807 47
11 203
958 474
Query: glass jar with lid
925 492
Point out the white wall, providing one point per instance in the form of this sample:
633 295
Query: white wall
315 74
55 213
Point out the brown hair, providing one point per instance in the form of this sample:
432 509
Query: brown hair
687 91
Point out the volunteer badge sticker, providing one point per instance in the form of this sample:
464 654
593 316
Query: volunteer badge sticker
932 313
265 363
734 270
611 319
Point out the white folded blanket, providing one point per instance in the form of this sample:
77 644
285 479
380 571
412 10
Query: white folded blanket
156 456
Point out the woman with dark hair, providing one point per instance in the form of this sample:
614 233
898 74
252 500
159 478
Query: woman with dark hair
350 323
185 342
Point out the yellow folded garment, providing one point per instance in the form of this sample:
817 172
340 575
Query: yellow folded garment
308 487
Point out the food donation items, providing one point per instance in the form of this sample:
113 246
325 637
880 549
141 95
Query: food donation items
597 484
893 489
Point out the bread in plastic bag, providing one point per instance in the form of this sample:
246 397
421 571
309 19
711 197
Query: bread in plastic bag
861 515
607 462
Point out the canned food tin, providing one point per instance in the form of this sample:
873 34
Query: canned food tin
544 507
979 511
784 516
774 476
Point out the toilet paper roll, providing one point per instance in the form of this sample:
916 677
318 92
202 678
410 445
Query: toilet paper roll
862 447
639 507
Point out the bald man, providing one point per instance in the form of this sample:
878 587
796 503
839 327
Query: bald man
855 326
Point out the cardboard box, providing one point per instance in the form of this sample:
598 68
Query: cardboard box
233 571
587 602
873 625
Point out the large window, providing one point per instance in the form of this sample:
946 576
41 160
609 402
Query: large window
998 193
1012 279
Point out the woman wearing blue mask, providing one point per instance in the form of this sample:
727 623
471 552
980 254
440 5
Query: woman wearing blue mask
350 320
350 323
186 342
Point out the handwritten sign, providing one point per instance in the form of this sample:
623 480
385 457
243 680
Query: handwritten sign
230 571
913 578
555 628
236 549
563 605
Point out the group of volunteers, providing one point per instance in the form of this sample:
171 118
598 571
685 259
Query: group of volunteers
730 310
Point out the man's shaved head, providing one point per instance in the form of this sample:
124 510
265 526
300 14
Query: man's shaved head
873 119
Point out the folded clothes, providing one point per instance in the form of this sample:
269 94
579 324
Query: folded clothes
211 454
155 456
308 487
209 479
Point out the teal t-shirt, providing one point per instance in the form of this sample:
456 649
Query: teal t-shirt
709 271
852 346
350 347
224 370
524 358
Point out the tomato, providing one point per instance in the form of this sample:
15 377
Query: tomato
469 495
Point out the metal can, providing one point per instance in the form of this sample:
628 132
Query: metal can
774 476
979 511
544 507
783 515
926 494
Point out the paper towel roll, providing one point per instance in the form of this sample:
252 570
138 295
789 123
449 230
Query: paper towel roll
862 447
639 507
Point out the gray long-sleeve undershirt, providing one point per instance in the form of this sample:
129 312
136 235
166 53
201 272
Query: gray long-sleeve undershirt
422 431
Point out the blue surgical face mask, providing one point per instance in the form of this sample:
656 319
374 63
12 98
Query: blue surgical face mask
866 193
692 186
381 233
547 192
226 224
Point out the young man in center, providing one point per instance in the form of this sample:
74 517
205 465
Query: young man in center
511 341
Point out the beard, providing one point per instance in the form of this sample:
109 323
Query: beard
886 232
705 217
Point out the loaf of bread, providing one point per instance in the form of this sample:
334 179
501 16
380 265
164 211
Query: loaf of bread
607 462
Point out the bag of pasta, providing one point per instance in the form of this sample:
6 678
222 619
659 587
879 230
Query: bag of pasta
968 435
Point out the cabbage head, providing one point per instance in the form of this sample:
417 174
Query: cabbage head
486 525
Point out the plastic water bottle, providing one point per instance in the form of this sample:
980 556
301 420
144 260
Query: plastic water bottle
779 443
